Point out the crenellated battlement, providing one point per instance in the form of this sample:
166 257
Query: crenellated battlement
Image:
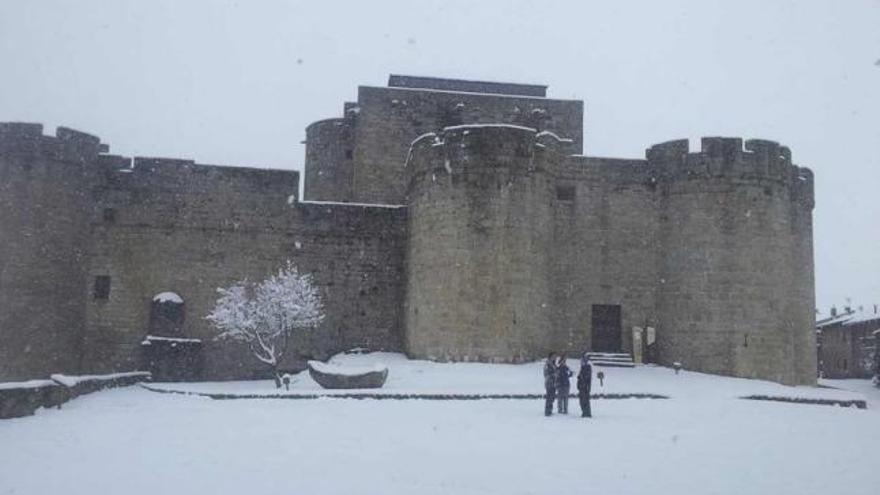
802 180
67 145
466 149
731 158
721 156
165 174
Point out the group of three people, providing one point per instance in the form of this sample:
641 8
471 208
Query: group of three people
557 382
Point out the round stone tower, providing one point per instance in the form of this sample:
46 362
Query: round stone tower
329 159
736 285
44 227
480 224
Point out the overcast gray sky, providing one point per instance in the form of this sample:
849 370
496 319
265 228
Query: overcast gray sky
236 82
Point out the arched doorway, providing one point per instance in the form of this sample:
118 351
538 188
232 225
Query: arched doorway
167 353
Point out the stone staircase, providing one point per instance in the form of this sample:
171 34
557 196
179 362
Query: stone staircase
611 359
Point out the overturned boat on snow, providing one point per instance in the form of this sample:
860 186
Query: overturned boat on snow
342 377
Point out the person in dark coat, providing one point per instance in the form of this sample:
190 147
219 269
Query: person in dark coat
549 383
563 385
584 383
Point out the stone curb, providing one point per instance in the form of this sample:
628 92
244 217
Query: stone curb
24 401
859 404
393 396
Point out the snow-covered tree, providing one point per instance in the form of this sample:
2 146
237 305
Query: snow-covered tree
265 315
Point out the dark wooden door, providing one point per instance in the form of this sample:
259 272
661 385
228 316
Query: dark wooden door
606 328
173 360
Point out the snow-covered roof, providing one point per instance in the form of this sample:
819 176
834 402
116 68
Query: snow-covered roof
164 297
849 318
832 320
861 316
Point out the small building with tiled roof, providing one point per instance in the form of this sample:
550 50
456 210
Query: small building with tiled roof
847 343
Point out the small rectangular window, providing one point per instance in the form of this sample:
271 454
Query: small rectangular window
349 154
109 215
565 193
102 287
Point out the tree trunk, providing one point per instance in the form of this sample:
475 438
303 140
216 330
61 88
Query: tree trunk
277 376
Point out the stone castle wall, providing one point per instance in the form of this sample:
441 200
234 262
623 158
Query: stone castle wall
329 153
604 247
735 292
380 127
44 206
489 237
479 245
156 225
189 228
713 249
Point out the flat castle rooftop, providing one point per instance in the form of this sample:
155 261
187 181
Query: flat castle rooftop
467 86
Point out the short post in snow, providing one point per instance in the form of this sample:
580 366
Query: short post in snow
601 376
676 366
286 380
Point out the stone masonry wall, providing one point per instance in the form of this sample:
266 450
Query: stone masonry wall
846 349
329 160
713 249
604 248
190 228
389 119
490 237
479 248
734 289
44 202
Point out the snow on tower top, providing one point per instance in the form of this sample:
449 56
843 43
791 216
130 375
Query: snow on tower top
437 83
168 297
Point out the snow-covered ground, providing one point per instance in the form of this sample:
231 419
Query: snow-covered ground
703 440
413 377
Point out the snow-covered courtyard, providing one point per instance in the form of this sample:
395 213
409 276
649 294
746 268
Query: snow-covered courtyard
703 439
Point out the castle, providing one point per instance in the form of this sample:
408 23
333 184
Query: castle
448 219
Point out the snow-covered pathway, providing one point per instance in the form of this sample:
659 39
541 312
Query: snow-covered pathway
138 442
